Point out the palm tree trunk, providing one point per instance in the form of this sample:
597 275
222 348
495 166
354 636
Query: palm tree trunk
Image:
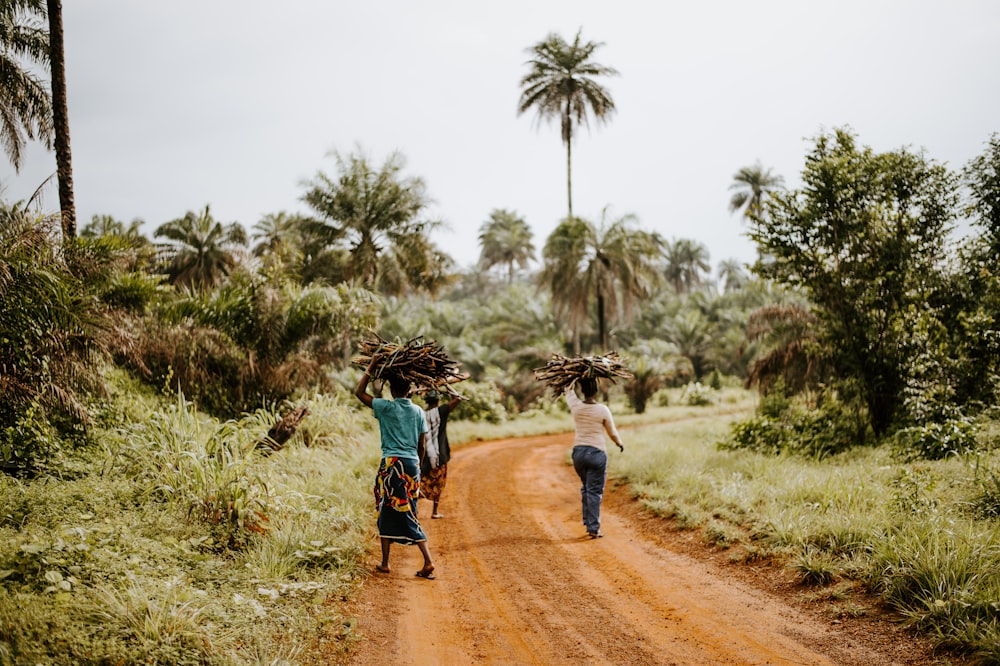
601 325
602 336
569 176
60 119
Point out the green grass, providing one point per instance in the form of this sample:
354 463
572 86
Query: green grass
920 534
182 545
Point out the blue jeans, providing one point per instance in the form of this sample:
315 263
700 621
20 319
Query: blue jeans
591 466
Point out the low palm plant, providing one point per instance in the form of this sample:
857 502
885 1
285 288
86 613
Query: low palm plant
55 331
647 379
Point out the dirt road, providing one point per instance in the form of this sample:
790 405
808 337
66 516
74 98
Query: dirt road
519 583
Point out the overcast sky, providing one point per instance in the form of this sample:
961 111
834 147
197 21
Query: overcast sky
235 103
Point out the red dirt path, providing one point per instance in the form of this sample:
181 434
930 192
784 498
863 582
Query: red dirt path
518 583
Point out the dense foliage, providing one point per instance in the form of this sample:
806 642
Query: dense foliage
865 238
56 331
898 323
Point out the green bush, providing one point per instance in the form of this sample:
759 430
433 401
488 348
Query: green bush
761 434
697 395
934 441
715 380
28 443
242 345
54 335
483 403
828 428
201 362
661 398
986 502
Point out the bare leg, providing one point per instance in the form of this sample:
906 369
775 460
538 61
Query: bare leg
435 514
428 564
384 566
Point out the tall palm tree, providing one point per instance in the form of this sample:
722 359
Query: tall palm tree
376 213
60 119
277 233
201 250
562 83
25 105
505 239
611 262
732 274
751 184
106 225
687 261
692 333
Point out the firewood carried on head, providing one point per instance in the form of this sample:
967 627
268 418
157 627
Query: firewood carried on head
424 364
560 372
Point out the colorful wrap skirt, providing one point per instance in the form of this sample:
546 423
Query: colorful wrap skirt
396 489
432 483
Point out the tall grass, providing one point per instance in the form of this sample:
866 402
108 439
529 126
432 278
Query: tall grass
205 467
185 545
921 535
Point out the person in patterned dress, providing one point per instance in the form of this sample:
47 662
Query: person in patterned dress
434 465
403 431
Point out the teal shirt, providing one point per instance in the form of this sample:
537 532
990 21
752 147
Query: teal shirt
400 423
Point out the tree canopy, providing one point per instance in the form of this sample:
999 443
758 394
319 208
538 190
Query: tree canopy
752 184
200 250
376 213
612 262
563 83
686 264
25 101
505 239
864 238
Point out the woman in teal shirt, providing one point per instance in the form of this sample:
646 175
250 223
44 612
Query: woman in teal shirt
403 431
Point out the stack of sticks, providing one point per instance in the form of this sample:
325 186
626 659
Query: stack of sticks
561 372
424 364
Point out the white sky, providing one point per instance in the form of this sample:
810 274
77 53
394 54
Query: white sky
234 103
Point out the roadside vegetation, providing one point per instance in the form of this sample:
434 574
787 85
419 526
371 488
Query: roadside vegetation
175 541
920 534
832 404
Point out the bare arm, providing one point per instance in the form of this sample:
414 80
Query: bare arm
421 446
609 427
361 390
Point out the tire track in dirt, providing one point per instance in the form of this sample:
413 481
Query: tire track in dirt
519 583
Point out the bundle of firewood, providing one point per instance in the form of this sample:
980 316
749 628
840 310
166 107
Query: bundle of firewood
561 372
282 431
424 364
